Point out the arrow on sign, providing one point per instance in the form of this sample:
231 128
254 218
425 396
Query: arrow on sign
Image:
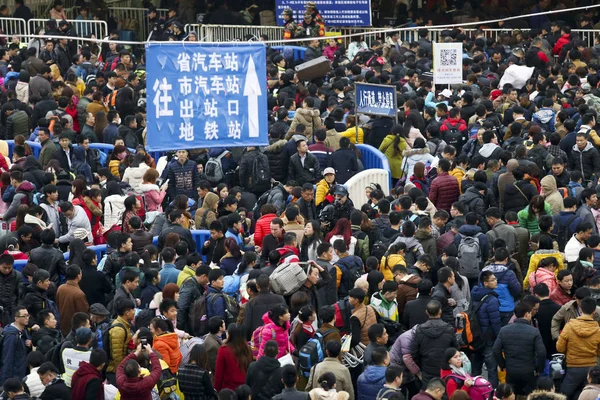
252 91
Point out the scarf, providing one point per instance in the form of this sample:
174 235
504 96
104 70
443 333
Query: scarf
459 371
586 264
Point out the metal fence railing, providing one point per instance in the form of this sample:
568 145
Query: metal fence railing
83 28
232 33
135 17
13 26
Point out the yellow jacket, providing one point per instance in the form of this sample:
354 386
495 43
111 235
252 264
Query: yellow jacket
388 263
322 190
350 133
459 174
119 340
113 165
580 340
535 259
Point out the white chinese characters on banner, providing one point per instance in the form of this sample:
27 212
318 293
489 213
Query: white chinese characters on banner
447 63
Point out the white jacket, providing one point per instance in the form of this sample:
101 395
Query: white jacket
34 383
79 221
114 207
134 176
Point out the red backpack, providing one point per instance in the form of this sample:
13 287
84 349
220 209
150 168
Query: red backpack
481 389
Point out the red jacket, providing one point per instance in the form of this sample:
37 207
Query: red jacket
228 374
82 377
451 384
564 39
138 388
559 296
460 124
444 191
263 228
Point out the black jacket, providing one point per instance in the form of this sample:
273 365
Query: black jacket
520 347
56 390
45 339
264 378
414 312
246 173
41 109
35 300
586 161
95 285
269 243
257 307
431 339
441 294
63 159
345 164
141 238
310 172
308 210
188 293
32 172
215 250
544 318
514 200
278 162
51 259
9 294
184 234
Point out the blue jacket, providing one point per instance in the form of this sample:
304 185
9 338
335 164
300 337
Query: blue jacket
215 307
183 179
488 313
562 218
230 264
597 259
168 274
232 234
508 288
14 353
472 230
370 382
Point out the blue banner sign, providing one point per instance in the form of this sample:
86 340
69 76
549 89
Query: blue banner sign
334 12
202 96
376 99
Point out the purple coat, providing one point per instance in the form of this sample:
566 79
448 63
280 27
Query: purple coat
401 348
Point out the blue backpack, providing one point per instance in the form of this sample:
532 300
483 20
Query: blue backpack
312 353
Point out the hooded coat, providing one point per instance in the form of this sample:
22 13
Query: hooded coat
580 340
413 156
86 380
32 172
264 378
475 201
370 382
311 119
509 287
153 196
488 313
134 175
22 192
278 163
168 347
551 194
272 331
518 195
431 339
206 214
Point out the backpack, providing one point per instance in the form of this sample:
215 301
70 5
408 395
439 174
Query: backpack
232 308
214 168
256 340
452 136
355 270
468 328
54 356
27 199
469 256
481 389
167 385
379 249
261 173
343 313
410 257
142 320
385 393
106 337
262 200
312 353
562 236
287 278
198 320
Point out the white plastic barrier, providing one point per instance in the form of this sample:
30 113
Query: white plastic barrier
357 184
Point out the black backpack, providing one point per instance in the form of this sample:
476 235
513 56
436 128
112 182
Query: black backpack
106 337
562 236
261 173
355 269
142 320
453 136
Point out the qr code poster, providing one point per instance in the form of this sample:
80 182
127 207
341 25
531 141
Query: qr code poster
447 63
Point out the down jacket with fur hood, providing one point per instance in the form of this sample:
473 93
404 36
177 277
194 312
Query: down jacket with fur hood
153 196
278 163
311 120
413 156
134 175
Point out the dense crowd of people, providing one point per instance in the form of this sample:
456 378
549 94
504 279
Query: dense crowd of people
475 276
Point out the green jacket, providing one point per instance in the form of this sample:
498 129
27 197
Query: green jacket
387 148
531 224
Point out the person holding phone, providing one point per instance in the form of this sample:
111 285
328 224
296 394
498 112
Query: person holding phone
130 383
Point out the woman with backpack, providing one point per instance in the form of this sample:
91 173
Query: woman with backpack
454 374
392 146
545 250
206 214
394 256
276 327
153 195
134 174
583 270
460 291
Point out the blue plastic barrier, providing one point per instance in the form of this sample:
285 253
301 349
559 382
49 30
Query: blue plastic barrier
35 147
373 158
200 236
298 51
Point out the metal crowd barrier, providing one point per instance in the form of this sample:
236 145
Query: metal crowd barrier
122 14
83 28
232 33
13 26
298 51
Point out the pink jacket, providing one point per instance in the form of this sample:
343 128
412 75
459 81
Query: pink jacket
280 336
542 275
152 196
329 52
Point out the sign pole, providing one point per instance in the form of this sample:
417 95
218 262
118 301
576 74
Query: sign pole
356 124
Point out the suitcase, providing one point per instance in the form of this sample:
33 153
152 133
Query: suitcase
287 278
313 69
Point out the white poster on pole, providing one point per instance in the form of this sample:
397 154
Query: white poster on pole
447 63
